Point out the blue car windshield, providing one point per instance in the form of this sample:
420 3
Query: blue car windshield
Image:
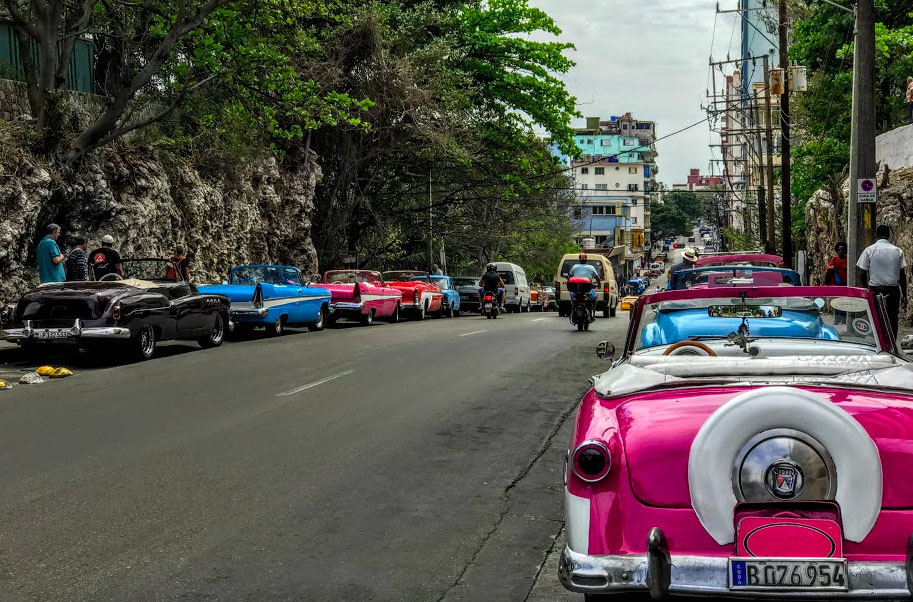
253 275
845 319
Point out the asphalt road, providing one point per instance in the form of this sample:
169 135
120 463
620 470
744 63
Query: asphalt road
418 461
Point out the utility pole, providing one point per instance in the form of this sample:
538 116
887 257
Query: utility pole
785 192
770 245
430 227
762 209
861 218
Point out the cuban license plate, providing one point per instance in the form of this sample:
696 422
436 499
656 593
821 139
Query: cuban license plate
787 574
52 333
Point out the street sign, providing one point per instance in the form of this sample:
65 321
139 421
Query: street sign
866 191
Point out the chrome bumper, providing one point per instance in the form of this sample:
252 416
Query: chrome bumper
342 306
252 312
662 575
77 331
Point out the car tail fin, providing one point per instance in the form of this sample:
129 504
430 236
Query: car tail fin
258 296
356 294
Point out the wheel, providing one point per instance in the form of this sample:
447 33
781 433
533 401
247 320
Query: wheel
586 325
216 335
394 317
318 324
448 313
488 316
613 309
368 318
276 328
456 313
423 312
579 326
606 311
524 309
143 343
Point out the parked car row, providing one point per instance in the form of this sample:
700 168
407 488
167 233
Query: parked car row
144 301
751 438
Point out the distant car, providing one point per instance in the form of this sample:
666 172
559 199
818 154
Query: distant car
144 302
552 304
468 287
690 239
420 297
538 298
272 297
362 295
720 276
451 304
627 303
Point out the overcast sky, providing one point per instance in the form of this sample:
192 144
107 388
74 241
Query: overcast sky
648 57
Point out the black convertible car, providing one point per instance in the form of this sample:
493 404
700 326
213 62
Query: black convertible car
135 303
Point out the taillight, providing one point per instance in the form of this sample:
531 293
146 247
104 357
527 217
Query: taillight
356 295
258 297
606 289
489 298
416 296
115 313
517 290
591 461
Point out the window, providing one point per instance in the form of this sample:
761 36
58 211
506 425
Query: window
632 170
606 142
630 142
584 170
602 186
577 213
598 210
589 141
600 171
610 210
584 186
633 220
632 187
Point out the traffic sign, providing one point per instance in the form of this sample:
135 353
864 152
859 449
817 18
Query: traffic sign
866 190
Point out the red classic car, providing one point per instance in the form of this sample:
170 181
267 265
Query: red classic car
420 297
362 295
770 462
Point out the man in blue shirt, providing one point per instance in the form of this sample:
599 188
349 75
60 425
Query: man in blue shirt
689 259
50 259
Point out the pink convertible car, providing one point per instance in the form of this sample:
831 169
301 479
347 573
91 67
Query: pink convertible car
749 443
361 295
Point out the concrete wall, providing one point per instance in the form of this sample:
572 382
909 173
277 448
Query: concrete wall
895 148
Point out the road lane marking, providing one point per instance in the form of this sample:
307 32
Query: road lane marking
313 384
539 319
466 334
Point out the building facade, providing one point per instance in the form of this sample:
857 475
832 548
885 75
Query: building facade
615 181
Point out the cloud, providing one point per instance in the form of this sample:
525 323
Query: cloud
649 57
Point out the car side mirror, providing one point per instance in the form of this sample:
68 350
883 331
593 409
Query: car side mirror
605 351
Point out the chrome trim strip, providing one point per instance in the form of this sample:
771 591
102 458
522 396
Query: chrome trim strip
248 311
709 576
345 306
106 332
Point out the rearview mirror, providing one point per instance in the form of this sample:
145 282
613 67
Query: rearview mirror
605 351
744 311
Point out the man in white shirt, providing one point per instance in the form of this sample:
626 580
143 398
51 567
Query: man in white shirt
884 272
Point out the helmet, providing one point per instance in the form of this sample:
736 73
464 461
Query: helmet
582 257
491 267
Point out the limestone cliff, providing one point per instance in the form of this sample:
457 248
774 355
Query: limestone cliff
149 200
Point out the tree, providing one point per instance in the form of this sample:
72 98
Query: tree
689 203
669 221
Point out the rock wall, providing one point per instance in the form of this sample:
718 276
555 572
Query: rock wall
149 200
894 208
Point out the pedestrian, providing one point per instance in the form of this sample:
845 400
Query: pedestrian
909 98
884 272
105 259
182 262
50 259
689 259
76 266
836 275
435 270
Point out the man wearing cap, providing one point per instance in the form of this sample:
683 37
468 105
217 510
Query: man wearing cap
50 259
103 260
689 259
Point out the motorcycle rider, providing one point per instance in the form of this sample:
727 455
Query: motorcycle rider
491 282
584 270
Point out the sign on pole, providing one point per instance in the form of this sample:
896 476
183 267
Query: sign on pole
866 191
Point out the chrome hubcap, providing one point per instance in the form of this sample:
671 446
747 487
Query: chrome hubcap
783 464
217 330
147 340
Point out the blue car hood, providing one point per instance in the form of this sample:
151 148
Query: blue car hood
680 325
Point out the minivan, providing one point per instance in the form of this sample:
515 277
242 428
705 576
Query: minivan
516 286
608 301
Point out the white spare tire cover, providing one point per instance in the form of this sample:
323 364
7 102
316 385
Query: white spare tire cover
730 427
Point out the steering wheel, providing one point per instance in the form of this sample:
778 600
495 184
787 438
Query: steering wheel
111 276
690 348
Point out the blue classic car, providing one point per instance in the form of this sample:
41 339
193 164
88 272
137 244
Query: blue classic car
273 297
451 305
731 275
676 321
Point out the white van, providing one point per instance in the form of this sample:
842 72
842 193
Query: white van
516 286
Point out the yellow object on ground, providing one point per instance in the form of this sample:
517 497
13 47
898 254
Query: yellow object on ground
3 384
45 370
60 373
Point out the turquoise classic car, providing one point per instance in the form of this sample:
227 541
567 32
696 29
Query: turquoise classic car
272 297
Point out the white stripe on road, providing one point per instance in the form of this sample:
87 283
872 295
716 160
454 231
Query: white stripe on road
466 334
539 319
314 384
